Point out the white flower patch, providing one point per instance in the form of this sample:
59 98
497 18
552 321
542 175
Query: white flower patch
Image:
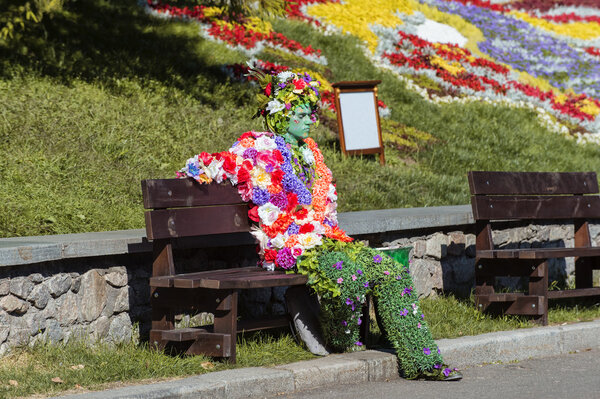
268 213
309 240
308 156
264 143
279 241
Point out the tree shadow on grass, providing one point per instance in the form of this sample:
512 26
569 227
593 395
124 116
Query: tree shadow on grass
107 41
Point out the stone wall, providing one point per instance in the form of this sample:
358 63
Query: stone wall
104 297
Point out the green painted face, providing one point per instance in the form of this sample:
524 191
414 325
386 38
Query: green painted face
299 123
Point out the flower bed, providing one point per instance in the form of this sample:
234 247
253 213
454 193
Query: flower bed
248 34
542 56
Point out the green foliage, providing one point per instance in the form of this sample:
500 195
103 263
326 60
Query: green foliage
16 14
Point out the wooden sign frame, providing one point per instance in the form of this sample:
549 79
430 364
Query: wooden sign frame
355 99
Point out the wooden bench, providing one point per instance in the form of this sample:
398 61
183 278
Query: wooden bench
502 196
180 208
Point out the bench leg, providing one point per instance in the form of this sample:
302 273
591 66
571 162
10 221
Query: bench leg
584 273
162 319
539 286
226 320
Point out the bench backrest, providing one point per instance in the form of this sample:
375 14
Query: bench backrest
180 208
184 208
534 195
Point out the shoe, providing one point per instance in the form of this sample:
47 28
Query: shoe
454 376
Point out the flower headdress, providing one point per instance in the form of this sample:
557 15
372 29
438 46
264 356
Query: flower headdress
281 94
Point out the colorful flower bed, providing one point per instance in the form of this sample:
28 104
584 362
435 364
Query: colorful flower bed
248 34
541 56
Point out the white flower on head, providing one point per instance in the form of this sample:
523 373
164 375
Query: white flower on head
264 143
309 240
308 155
285 75
331 193
268 213
260 178
214 169
275 106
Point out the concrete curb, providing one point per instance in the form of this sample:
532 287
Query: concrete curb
351 368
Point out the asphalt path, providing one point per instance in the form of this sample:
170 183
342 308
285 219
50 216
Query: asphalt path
575 375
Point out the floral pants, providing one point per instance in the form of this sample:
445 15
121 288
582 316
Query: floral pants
343 274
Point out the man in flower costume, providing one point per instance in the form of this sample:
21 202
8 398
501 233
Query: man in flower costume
283 175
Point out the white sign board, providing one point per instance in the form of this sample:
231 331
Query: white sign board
359 119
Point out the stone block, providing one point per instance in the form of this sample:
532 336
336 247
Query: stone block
19 332
59 284
75 283
122 301
427 276
21 287
67 309
93 295
120 328
437 246
4 286
419 248
39 296
117 278
99 328
36 278
54 332
4 326
36 322
12 304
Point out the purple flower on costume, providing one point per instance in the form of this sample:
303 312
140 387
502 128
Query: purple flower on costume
422 316
349 301
250 153
366 285
358 343
407 291
260 196
358 271
437 366
344 323
404 312
293 229
447 372
359 321
439 352
285 259
377 259
279 200
282 85
338 265
427 351
386 273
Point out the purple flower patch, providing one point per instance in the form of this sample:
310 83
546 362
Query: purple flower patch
427 351
377 258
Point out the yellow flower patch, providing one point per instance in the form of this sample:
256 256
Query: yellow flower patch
451 66
356 16
258 25
578 30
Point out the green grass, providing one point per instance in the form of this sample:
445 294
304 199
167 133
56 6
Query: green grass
102 96
83 367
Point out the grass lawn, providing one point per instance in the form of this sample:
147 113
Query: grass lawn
75 367
103 95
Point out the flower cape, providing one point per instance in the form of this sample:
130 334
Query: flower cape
294 212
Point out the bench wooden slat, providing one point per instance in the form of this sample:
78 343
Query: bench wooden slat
574 293
266 279
535 207
172 193
538 253
188 222
532 183
167 281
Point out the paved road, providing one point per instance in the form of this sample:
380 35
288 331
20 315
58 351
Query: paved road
574 375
